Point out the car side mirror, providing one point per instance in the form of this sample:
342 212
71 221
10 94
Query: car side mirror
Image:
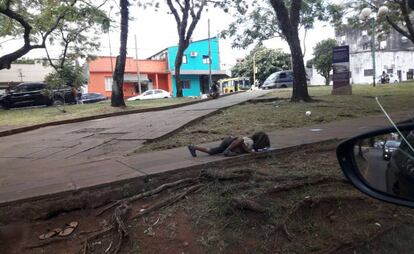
385 173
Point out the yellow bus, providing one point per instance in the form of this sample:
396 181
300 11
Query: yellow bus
231 85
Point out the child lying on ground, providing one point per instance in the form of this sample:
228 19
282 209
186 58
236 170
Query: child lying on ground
232 146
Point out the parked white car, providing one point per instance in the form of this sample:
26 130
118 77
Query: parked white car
151 94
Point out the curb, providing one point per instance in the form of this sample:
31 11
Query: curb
96 196
88 118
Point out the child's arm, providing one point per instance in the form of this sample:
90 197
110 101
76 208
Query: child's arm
246 149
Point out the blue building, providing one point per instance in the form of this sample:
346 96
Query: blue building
195 66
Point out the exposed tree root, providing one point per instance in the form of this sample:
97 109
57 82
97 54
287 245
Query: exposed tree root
119 219
288 235
148 193
168 201
311 202
46 242
352 244
247 204
243 174
303 183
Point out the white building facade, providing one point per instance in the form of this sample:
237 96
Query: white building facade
394 54
19 73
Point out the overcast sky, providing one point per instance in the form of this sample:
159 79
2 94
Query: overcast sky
156 30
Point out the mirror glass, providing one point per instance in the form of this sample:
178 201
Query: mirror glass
386 162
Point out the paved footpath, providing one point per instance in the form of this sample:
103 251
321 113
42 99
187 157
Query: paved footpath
30 177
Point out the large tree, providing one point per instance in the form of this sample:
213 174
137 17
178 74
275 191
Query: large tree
267 61
322 58
35 22
278 18
187 13
117 98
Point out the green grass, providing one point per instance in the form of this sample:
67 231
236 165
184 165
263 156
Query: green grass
279 114
30 116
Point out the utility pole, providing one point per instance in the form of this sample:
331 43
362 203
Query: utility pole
109 42
254 68
210 80
373 25
136 61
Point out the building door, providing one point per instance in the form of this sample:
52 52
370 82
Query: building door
204 86
399 75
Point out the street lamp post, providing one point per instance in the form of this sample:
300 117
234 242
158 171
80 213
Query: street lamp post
366 16
254 68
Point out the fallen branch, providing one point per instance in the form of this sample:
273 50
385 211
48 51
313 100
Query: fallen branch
147 194
168 201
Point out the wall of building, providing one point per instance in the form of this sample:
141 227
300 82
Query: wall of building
100 72
25 73
360 63
196 62
194 89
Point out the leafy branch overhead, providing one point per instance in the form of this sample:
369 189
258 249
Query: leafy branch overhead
399 17
261 23
38 23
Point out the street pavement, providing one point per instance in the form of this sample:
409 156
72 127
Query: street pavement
54 160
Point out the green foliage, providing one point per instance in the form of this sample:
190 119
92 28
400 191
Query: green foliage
322 60
267 62
399 16
68 76
309 63
260 22
25 61
53 22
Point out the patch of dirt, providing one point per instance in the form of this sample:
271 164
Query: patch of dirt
278 204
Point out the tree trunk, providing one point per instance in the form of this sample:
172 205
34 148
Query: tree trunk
288 24
178 63
300 86
327 79
117 98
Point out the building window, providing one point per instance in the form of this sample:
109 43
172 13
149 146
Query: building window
206 59
108 83
390 71
366 46
186 84
368 72
184 59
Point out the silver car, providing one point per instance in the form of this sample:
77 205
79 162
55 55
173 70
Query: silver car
280 79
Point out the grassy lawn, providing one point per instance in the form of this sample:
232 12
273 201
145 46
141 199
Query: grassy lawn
281 113
30 116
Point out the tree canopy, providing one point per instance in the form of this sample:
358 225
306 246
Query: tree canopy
37 23
322 60
267 61
399 16
278 18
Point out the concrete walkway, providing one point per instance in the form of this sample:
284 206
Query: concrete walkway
28 178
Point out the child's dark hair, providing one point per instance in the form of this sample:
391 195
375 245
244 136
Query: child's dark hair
260 140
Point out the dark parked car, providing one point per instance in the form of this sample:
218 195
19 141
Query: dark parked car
33 94
400 169
390 146
92 97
